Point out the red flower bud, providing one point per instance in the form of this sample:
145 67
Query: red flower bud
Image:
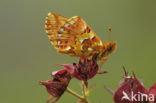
58 85
85 70
130 90
152 94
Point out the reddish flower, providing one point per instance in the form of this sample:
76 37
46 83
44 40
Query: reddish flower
152 94
58 85
130 90
85 70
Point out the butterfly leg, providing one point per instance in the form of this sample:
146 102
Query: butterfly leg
102 62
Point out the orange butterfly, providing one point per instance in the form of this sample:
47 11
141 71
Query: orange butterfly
75 38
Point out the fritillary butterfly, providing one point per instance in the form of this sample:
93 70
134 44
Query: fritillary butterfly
75 38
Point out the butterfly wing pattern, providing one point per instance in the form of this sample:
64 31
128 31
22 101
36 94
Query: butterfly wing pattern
75 38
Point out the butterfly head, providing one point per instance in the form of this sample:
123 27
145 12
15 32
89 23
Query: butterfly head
108 48
111 46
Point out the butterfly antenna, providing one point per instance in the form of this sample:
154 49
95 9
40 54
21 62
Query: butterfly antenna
109 33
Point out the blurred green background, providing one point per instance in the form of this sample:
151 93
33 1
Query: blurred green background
26 55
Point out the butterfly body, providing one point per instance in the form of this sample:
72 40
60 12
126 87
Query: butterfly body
75 38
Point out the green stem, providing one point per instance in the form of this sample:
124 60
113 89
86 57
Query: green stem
83 90
83 98
84 93
74 94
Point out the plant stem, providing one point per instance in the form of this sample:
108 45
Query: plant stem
83 98
74 94
84 93
83 90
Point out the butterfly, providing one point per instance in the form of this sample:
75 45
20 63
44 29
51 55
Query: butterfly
74 37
